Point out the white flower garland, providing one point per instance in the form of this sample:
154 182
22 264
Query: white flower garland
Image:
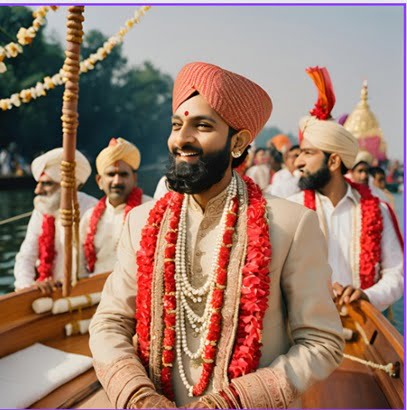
49 83
24 36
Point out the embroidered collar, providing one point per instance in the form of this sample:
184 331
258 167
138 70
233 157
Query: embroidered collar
214 206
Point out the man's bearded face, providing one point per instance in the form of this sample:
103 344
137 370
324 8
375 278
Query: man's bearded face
48 195
196 177
313 166
200 147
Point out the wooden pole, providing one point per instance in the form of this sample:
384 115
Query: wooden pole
69 205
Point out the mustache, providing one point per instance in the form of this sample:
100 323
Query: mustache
120 187
187 147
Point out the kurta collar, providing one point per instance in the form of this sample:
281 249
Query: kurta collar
215 206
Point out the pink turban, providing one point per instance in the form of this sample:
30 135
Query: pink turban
240 102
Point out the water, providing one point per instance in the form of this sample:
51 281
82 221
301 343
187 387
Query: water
18 202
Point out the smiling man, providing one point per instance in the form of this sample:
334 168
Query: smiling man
102 225
363 247
225 291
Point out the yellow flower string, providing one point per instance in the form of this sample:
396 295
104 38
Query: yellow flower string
49 83
24 36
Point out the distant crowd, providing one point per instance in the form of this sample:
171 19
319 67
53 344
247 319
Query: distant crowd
12 163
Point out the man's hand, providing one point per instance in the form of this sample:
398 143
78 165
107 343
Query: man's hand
149 399
198 404
348 294
47 286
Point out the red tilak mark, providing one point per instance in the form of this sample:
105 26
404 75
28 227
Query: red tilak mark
186 113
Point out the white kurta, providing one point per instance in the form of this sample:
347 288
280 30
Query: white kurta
107 236
27 258
284 184
161 189
260 174
338 220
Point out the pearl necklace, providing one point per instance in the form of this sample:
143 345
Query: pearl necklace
185 291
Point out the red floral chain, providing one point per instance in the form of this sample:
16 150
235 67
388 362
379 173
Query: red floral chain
46 247
254 293
133 200
371 232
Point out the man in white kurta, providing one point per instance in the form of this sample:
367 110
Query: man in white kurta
46 170
327 148
285 181
117 167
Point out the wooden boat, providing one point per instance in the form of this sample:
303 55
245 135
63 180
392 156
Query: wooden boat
352 385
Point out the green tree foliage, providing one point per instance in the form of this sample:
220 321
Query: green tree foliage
115 100
32 126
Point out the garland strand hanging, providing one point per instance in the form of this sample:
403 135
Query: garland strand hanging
24 36
48 83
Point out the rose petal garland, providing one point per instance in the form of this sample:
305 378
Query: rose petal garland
145 263
24 36
254 296
46 247
49 83
255 286
371 233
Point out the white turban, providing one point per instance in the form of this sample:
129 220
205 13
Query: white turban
118 149
50 164
363 156
330 137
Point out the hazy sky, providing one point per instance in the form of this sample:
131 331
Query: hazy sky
273 45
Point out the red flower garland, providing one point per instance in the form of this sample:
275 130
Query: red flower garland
371 232
145 263
255 289
133 200
46 247
255 286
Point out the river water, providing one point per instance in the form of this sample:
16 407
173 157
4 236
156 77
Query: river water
20 201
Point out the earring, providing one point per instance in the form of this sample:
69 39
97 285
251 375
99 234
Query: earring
236 154
100 188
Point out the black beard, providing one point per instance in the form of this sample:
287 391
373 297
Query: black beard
187 178
317 180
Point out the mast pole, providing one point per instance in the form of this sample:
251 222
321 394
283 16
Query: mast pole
69 208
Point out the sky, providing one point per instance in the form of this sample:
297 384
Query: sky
272 45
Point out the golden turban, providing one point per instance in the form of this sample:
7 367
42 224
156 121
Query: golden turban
329 136
50 164
118 149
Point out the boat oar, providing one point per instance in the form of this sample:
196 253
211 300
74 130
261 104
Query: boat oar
15 218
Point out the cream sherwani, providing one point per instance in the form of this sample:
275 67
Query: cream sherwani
302 336
27 257
107 236
338 225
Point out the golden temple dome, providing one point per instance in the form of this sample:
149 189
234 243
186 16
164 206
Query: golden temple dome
362 122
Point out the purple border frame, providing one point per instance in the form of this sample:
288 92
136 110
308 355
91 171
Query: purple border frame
403 5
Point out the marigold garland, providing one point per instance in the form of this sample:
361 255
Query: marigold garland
254 295
371 232
24 36
46 248
133 200
50 82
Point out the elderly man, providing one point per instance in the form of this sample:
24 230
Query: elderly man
40 259
285 181
363 248
203 340
101 226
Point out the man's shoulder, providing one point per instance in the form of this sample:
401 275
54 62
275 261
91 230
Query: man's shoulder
141 211
86 201
284 208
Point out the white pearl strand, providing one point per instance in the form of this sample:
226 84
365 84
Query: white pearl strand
185 291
